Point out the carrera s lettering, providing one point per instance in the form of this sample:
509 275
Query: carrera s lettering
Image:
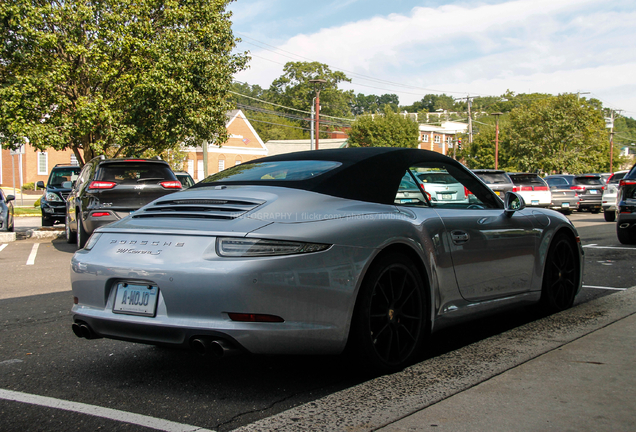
147 242
138 252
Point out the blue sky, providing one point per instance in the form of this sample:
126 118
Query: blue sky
461 48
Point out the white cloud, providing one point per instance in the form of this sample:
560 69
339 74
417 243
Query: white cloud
550 46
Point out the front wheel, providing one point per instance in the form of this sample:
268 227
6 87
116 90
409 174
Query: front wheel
610 216
560 275
70 235
47 221
389 322
626 235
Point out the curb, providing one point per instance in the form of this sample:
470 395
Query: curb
31 234
384 400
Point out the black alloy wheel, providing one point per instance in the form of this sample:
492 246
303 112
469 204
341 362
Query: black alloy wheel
560 276
390 318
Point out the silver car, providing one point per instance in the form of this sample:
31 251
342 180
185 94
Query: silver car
318 253
608 199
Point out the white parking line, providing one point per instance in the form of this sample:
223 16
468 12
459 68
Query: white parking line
2 246
32 255
595 246
111 414
605 288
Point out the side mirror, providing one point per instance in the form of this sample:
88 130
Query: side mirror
67 184
40 184
10 198
513 202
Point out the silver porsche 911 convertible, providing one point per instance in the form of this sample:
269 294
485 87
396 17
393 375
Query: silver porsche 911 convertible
315 252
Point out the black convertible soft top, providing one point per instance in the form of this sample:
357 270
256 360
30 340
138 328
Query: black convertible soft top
369 174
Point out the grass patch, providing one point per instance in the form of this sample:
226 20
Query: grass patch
27 211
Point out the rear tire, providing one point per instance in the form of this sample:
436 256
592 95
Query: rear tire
81 234
610 216
390 318
560 275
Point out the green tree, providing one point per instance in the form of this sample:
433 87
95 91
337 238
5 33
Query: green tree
559 134
115 77
294 89
387 130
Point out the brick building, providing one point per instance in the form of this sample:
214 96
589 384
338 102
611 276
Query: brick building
36 165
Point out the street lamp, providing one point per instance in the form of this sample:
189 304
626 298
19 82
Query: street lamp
318 83
497 114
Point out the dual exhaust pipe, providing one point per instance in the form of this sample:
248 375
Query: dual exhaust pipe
218 348
82 330
202 345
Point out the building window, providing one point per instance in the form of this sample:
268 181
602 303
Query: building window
237 162
74 160
425 137
437 139
43 163
449 140
221 164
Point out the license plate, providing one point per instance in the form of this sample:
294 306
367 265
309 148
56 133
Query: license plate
565 205
447 196
498 193
136 299
406 201
534 202
593 191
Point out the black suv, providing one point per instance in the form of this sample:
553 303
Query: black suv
626 208
110 189
497 180
53 201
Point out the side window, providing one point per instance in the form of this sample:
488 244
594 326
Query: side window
452 187
83 176
409 193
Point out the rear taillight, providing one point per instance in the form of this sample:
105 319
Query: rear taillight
515 188
627 182
577 188
525 188
100 214
245 317
102 185
467 192
540 188
171 184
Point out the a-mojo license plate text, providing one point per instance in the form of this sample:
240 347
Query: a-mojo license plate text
136 299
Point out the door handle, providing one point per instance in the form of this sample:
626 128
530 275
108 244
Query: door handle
459 237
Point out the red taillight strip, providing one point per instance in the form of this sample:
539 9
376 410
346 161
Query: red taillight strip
100 214
244 317
627 182
171 184
102 185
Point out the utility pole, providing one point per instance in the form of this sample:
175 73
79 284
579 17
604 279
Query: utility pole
497 114
611 170
470 120
318 83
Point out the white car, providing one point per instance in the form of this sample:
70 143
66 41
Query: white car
609 195
532 188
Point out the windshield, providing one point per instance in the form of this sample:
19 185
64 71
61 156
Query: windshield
280 170
61 175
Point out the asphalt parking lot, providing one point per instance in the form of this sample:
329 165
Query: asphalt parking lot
50 380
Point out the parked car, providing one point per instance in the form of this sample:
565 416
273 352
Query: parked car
564 199
110 189
532 188
6 212
53 201
185 179
588 186
626 208
608 199
442 187
309 253
497 180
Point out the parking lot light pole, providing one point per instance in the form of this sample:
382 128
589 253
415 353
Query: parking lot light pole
318 86
497 114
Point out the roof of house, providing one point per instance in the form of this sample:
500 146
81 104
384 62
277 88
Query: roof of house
277 147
